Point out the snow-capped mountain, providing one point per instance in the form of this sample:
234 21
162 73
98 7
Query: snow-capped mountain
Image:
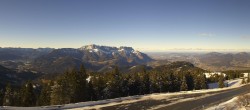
107 49
109 53
94 57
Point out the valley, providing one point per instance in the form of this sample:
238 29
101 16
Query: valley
104 73
48 60
212 61
124 54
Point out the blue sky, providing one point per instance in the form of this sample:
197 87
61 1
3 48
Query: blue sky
154 25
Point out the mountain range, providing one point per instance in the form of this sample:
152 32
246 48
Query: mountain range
104 58
213 61
49 60
224 61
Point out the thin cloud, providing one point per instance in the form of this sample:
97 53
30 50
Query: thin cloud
245 37
206 35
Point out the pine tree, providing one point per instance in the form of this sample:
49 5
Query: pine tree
172 82
197 83
91 92
114 84
154 82
141 85
73 80
1 97
221 81
248 78
28 95
199 80
190 81
134 84
17 98
184 86
99 86
8 96
61 91
203 82
44 98
243 81
164 83
82 90
146 81
57 96
125 86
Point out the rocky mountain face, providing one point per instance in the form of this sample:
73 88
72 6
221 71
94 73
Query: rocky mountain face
94 57
104 53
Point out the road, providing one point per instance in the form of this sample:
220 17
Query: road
195 101
197 104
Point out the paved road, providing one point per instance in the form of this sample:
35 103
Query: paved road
186 105
208 99
211 100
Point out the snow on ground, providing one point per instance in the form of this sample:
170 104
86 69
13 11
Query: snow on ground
178 101
208 75
245 74
131 99
233 104
230 103
156 96
229 83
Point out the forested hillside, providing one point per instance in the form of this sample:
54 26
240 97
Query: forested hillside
78 85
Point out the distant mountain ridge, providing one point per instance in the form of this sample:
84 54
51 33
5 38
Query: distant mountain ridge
22 53
224 61
213 61
109 53
94 57
105 58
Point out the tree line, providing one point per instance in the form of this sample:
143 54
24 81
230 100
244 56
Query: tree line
77 85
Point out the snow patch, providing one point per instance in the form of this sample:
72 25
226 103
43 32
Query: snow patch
132 67
88 79
208 75
96 50
227 83
245 74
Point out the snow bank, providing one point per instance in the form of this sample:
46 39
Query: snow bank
223 106
229 83
233 104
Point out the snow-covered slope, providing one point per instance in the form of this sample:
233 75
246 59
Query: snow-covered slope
227 83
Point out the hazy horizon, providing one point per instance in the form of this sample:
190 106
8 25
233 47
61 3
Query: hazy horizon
151 26
182 50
